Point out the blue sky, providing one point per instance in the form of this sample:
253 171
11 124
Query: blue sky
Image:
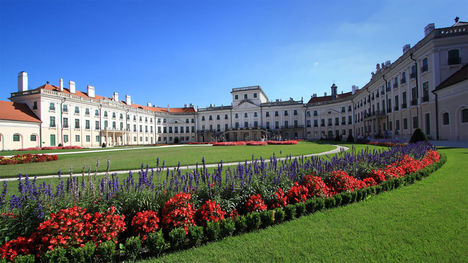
175 52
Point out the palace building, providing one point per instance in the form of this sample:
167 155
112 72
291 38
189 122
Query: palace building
426 87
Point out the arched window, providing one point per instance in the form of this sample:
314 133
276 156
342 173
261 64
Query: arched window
464 115
445 118
16 137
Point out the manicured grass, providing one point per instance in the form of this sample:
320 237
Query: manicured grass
122 160
8 153
427 221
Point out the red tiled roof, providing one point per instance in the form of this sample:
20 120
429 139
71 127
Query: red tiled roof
456 77
97 97
16 112
329 98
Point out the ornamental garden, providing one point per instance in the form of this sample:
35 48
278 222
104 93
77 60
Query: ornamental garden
160 210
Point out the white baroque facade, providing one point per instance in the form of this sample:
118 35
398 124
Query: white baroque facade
426 87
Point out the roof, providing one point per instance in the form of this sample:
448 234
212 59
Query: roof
329 98
17 112
97 97
456 77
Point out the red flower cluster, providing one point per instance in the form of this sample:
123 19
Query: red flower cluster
369 181
27 158
378 176
13 248
280 200
282 142
297 193
255 204
234 214
340 181
209 211
50 148
316 186
178 211
145 222
257 143
229 143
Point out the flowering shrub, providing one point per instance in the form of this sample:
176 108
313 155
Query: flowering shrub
255 204
280 199
257 143
369 181
378 176
234 214
210 211
145 222
13 248
27 158
340 181
315 186
297 193
178 212
229 143
282 142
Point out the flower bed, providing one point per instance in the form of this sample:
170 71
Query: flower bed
27 158
282 142
190 208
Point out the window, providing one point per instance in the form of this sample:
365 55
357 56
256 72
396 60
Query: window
403 98
176 129
395 83
405 123
65 108
285 113
237 125
454 57
121 116
286 124
425 91
246 124
445 118
203 118
245 96
308 123
255 115
424 65
397 125
159 129
65 123
464 115
236 97
87 124
106 124
276 124
105 114
276 114
193 120
114 126
246 115
210 118
315 113
96 113
170 129
268 125
87 111
88 138
65 138
236 115
225 116
97 138
77 123
217 117
295 124
226 127
35 105
77 138
403 77
16 137
51 106
295 113
337 121
267 114
415 122
255 95
33 137
315 123
96 125
52 121
343 109
413 72
77 109
397 102
414 96
113 115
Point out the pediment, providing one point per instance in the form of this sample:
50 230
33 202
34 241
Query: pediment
246 104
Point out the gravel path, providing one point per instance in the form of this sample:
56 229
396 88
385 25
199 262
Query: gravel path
213 165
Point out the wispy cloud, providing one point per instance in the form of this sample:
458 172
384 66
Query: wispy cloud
361 29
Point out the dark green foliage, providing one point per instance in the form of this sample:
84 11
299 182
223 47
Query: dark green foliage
241 224
24 259
58 255
300 209
319 204
418 136
227 227
350 138
346 198
253 221
310 205
338 200
279 215
177 238
353 196
290 212
82 254
330 202
155 243
267 218
105 252
132 247
212 230
195 236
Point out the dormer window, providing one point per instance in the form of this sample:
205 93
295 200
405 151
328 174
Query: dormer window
245 96
255 95
236 97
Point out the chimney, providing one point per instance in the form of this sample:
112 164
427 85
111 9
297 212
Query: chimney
61 84
115 96
406 48
324 94
185 105
91 92
128 100
71 85
354 89
22 81
149 104
314 95
387 63
428 29
333 91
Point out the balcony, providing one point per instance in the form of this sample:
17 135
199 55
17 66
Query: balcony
454 61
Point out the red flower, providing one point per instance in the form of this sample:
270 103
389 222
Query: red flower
209 211
255 204
178 211
280 200
340 181
145 222
316 186
297 193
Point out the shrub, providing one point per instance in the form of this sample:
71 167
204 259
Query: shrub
227 227
255 204
253 221
177 238
132 247
350 138
338 200
105 252
210 211
25 259
310 205
178 212
57 255
83 254
145 222
212 230
241 224
346 198
279 215
316 186
195 236
280 199
155 243
319 204
300 209
418 136
297 193
267 217
16 247
330 202
290 212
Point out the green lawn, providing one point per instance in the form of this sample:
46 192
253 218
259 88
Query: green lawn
122 160
424 222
